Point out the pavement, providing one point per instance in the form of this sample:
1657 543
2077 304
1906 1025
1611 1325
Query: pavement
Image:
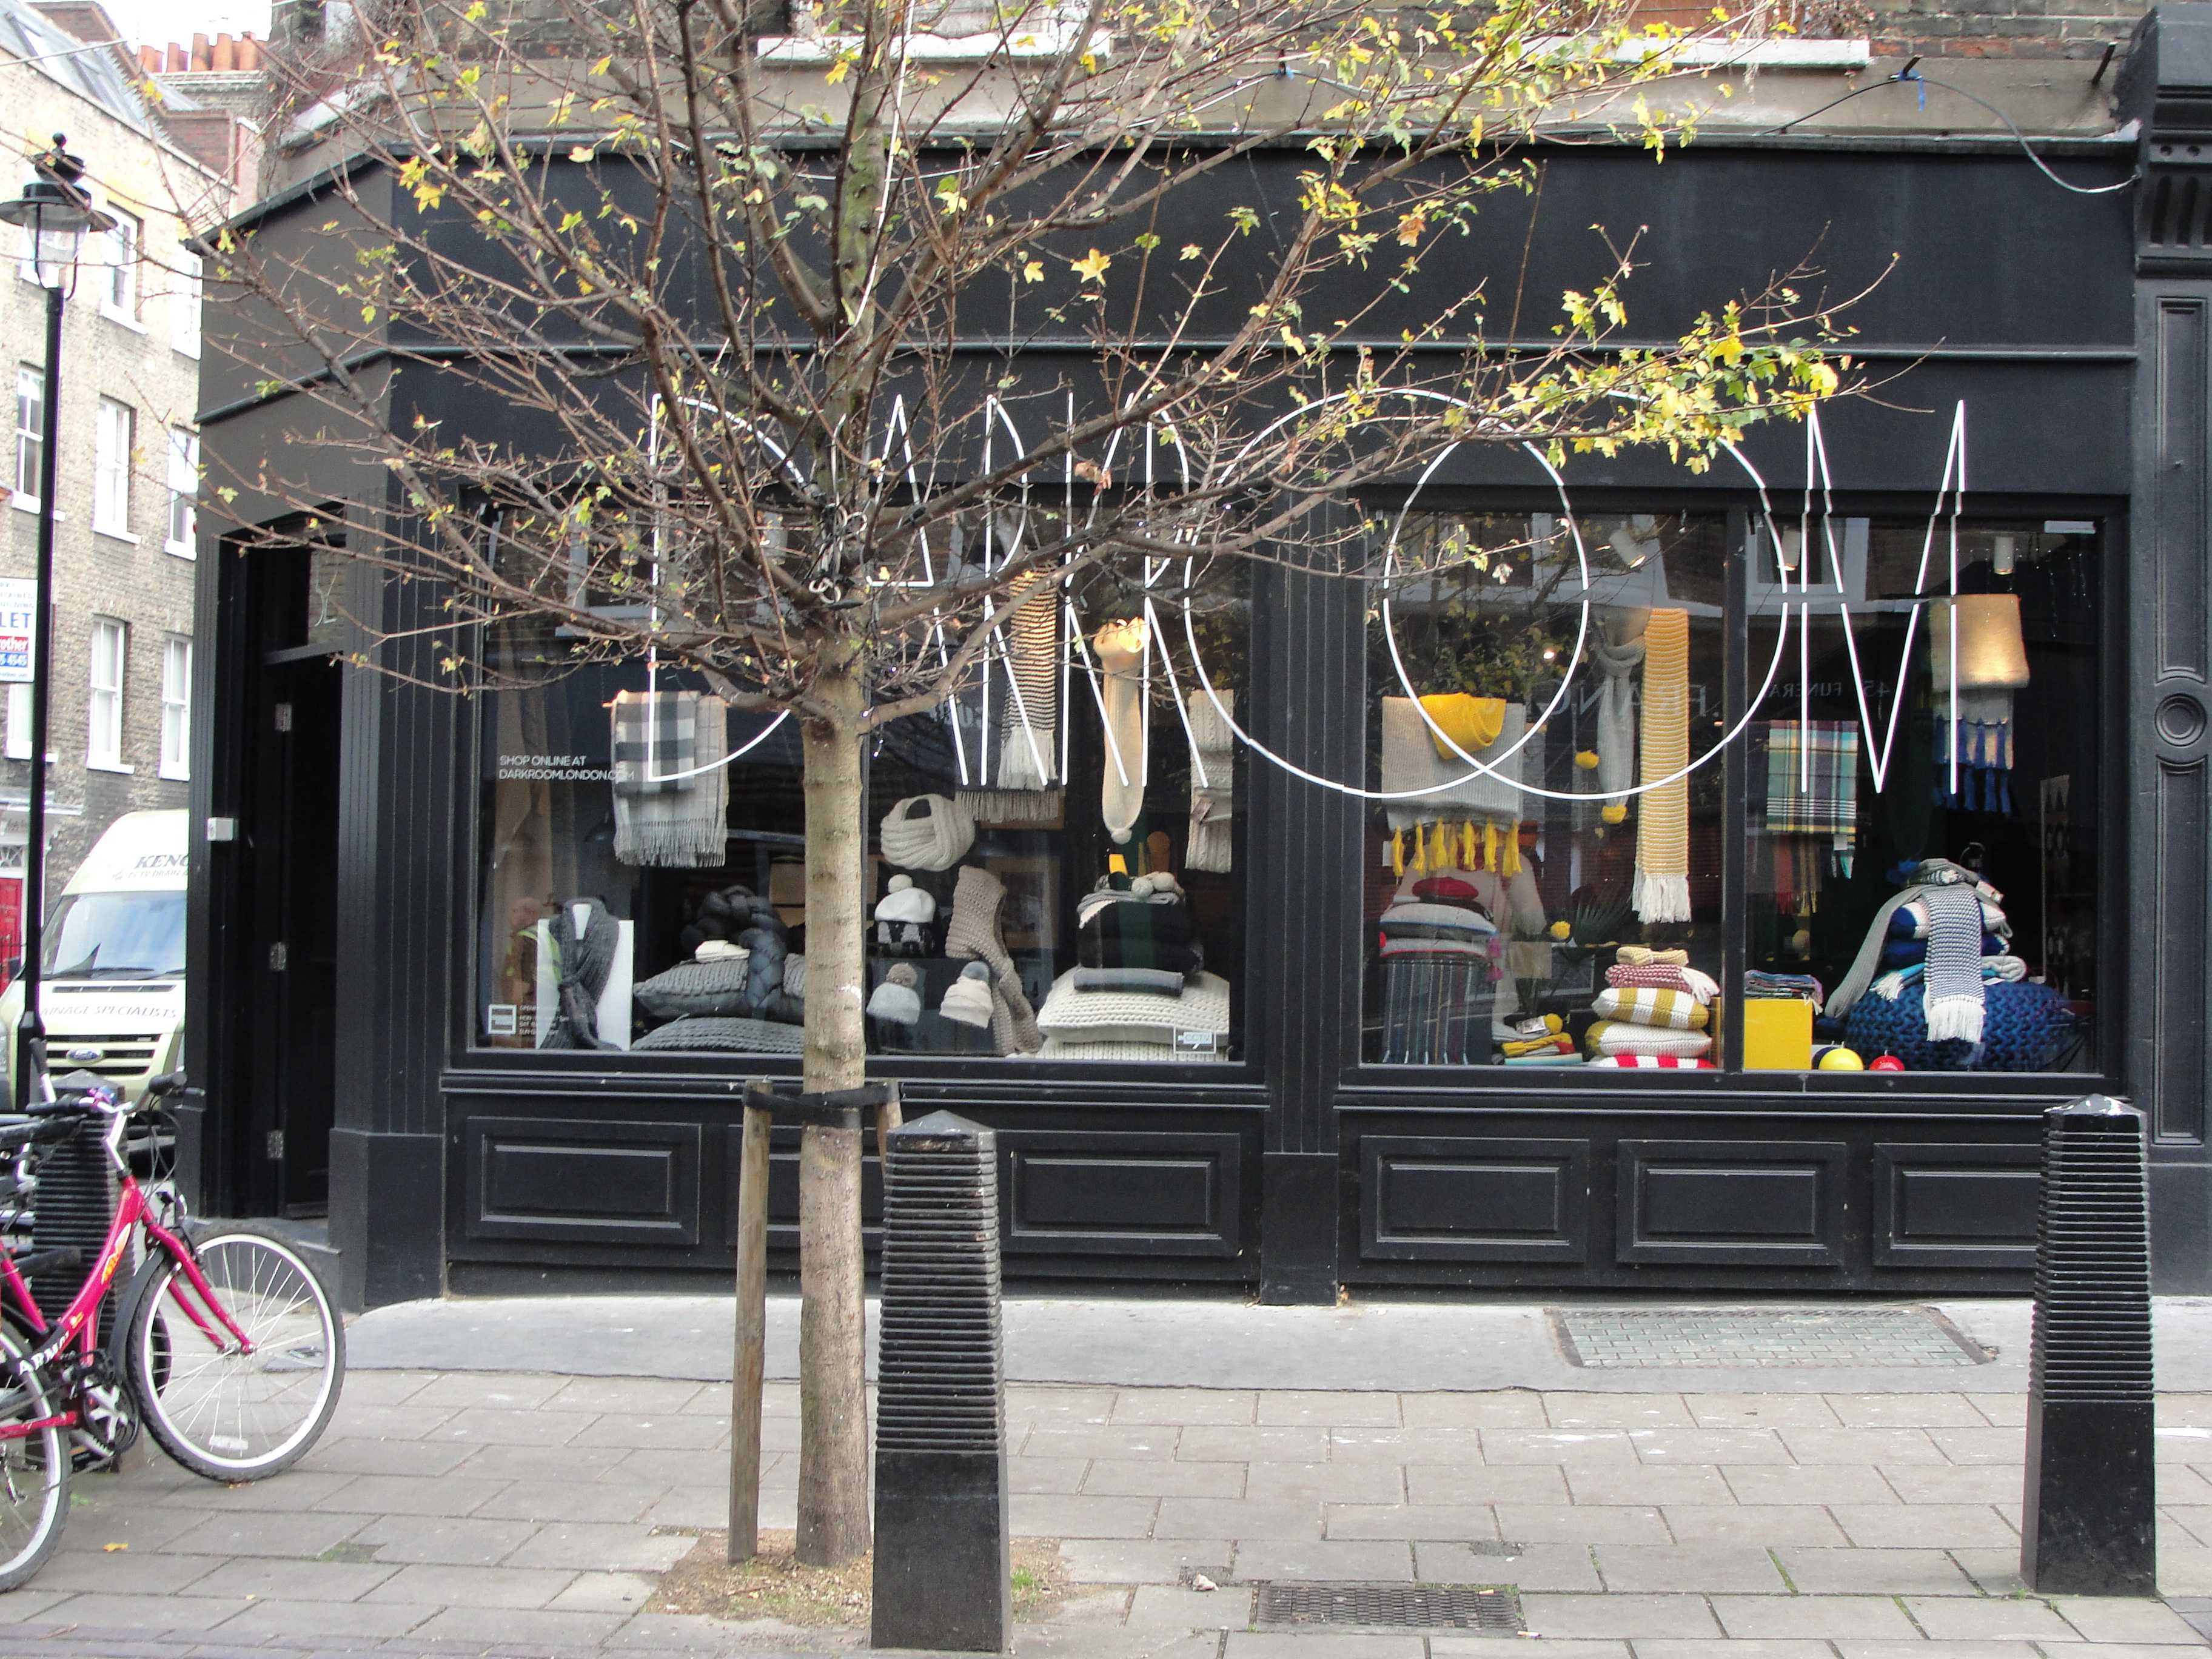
508 1477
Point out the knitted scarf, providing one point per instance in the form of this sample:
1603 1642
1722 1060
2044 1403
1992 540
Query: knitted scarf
1212 803
1954 985
583 961
1616 714
1121 648
667 812
1930 874
1662 892
1029 717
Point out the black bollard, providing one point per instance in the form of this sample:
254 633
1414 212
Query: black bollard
2089 1516
943 1571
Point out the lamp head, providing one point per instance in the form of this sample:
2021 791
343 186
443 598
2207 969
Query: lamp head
55 208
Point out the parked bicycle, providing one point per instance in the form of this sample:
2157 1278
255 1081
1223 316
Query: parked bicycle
231 1352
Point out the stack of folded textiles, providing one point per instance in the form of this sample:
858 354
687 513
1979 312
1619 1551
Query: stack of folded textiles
1655 1007
1542 1041
1138 990
1757 984
1440 954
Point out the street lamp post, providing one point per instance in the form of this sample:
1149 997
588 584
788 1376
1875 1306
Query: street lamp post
57 209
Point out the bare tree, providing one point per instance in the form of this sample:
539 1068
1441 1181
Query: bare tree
764 296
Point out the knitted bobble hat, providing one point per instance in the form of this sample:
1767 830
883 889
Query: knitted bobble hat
968 999
905 902
897 1000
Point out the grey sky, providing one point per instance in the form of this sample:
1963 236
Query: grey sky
158 22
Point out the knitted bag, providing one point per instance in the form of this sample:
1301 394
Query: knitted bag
2025 1028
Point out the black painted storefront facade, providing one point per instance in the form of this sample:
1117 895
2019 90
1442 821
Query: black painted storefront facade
2079 334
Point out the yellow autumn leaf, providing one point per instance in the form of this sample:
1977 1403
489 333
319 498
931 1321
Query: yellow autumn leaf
1192 251
838 71
1093 269
1033 271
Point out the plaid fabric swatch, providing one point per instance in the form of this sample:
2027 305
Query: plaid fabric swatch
656 737
1437 1009
1812 778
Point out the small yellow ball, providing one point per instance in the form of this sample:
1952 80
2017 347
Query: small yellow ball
1587 759
1842 1060
1615 813
1560 930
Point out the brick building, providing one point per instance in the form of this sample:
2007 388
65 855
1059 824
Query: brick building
121 713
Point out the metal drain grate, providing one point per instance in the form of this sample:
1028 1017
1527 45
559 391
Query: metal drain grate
1396 1606
1842 1338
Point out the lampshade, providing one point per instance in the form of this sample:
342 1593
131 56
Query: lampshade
1992 652
57 210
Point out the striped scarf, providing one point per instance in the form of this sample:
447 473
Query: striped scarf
1954 1001
1661 892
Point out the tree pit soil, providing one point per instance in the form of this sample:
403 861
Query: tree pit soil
774 1585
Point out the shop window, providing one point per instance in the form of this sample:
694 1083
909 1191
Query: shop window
1547 865
1051 863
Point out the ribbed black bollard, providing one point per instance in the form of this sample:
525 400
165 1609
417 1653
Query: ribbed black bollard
943 1573
2089 1517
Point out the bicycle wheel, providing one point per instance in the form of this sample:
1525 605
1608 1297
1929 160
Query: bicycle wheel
34 1474
221 1412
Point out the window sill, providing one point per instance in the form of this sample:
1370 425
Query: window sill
116 767
191 351
30 504
173 776
180 549
122 535
123 320
24 755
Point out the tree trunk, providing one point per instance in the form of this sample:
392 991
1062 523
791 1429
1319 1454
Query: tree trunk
833 1402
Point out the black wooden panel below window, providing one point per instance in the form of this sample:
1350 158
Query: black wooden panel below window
1955 1206
1158 1194
1757 1203
596 1183
1427 1199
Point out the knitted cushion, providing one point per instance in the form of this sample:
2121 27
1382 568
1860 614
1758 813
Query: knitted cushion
1132 1015
1147 982
2026 1028
1411 919
1486 947
745 1037
696 988
1648 1005
1613 1036
1151 1054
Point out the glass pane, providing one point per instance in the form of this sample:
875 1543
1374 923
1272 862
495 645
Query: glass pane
1877 864
989 829
1544 881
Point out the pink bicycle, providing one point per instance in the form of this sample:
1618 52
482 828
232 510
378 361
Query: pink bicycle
232 1353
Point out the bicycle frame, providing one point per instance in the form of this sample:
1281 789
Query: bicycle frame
79 1323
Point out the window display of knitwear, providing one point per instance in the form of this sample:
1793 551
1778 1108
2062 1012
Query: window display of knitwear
1544 870
1051 857
1982 774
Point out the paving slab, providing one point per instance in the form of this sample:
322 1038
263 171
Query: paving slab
1813 1616
1366 1561
439 1585
441 1540
1621 1616
1144 1561
1819 1571
1708 1567
584 1545
1533 1568
1958 1617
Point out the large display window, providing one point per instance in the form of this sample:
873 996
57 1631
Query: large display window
1912 839
1053 855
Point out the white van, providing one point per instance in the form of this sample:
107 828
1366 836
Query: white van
113 985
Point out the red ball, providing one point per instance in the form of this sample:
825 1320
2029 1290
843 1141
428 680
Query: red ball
1885 1063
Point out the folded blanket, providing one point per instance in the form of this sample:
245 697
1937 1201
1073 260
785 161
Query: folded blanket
1757 984
1150 981
1139 933
1996 970
1639 956
1150 1053
1612 1036
1701 987
1569 1058
1648 1005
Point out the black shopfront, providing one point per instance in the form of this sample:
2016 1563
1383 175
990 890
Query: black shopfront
1395 1095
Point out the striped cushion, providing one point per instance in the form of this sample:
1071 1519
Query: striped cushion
1655 1063
1647 1004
